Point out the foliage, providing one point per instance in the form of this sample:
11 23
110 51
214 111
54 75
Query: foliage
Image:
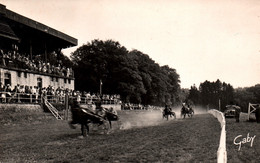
209 93
244 96
132 75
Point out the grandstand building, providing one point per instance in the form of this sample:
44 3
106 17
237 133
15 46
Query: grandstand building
25 49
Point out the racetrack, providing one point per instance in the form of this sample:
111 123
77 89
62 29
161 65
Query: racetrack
145 138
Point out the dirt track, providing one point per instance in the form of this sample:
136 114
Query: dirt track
150 139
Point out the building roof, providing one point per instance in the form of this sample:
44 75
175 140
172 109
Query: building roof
28 31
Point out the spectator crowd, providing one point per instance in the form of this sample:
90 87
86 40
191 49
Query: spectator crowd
26 93
16 60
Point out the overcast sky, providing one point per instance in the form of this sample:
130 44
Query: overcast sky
202 40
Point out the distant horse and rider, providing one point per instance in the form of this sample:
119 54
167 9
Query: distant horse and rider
83 116
186 110
168 112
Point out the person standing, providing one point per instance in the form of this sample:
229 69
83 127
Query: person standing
237 113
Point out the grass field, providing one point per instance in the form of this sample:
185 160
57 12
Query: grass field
141 136
246 152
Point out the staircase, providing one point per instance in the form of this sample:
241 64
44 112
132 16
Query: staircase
52 109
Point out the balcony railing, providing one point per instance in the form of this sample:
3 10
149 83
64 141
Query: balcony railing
12 97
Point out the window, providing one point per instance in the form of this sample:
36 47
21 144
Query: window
52 78
25 74
19 74
69 81
65 80
39 82
7 79
57 79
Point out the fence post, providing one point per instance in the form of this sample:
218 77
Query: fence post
66 102
18 97
248 114
30 98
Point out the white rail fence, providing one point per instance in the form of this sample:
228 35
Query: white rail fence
222 152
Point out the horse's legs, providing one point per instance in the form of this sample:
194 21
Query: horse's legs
83 130
110 124
87 129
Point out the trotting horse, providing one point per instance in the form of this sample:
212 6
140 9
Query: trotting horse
186 111
85 116
168 112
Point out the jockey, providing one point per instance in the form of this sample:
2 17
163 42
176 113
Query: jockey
111 109
165 109
75 110
183 107
99 109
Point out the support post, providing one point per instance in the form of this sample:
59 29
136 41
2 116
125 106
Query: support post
66 107
100 89
248 114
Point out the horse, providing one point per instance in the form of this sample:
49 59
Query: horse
186 111
168 112
191 112
85 116
110 115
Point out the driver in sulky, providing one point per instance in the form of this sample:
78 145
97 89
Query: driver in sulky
99 109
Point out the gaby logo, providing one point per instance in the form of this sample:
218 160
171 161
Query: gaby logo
239 140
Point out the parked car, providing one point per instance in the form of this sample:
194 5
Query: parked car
230 111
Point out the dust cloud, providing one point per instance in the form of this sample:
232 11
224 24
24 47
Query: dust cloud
144 118
133 118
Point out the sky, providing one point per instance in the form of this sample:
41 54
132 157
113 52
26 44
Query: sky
202 40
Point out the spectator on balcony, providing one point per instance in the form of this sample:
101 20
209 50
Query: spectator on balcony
6 59
48 66
64 71
2 61
44 68
34 67
39 66
52 69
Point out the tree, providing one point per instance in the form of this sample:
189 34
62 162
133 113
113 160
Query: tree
244 96
212 92
194 95
132 75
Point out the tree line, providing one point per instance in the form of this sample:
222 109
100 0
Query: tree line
131 74
139 79
219 94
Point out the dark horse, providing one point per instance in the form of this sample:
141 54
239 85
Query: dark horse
168 112
186 111
85 116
